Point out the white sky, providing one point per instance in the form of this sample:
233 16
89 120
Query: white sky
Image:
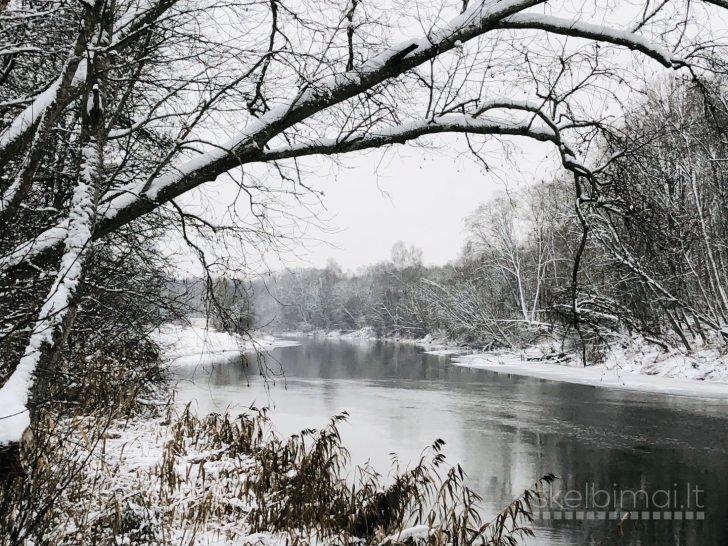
407 193
412 196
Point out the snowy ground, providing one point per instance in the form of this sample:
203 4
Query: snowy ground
636 356
364 333
638 367
146 475
195 344
150 475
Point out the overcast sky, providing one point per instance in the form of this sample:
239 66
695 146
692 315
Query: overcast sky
412 196
406 193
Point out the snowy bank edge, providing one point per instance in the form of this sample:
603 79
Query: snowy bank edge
595 376
194 345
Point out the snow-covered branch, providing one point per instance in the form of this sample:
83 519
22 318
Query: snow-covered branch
308 100
54 314
21 129
600 33
451 123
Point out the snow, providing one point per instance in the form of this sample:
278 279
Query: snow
90 160
45 241
119 133
10 193
415 534
633 364
94 100
475 17
415 129
131 16
23 49
668 373
79 77
447 351
588 30
14 416
125 471
194 345
434 345
30 116
462 27
363 333
475 20
14 394
637 356
32 113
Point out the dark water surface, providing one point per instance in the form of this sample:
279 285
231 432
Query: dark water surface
506 431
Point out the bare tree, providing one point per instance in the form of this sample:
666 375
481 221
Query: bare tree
126 105
659 211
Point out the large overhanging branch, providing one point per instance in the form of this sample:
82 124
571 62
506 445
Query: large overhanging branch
131 202
128 203
310 99
451 123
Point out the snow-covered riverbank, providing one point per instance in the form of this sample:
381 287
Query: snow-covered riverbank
639 366
432 344
661 377
195 344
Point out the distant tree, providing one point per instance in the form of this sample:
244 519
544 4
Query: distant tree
403 257
230 306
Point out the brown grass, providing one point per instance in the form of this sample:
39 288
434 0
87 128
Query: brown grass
233 479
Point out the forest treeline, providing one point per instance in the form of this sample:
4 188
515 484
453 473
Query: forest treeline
641 251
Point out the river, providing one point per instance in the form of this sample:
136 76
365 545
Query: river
506 431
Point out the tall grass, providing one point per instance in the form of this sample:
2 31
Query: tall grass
222 479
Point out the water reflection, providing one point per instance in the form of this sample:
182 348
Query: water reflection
505 430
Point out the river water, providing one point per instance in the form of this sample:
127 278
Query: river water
608 447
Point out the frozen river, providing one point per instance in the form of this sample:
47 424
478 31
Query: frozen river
607 446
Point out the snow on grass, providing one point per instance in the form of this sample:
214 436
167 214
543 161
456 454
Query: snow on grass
417 534
448 351
150 482
196 344
215 480
639 357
